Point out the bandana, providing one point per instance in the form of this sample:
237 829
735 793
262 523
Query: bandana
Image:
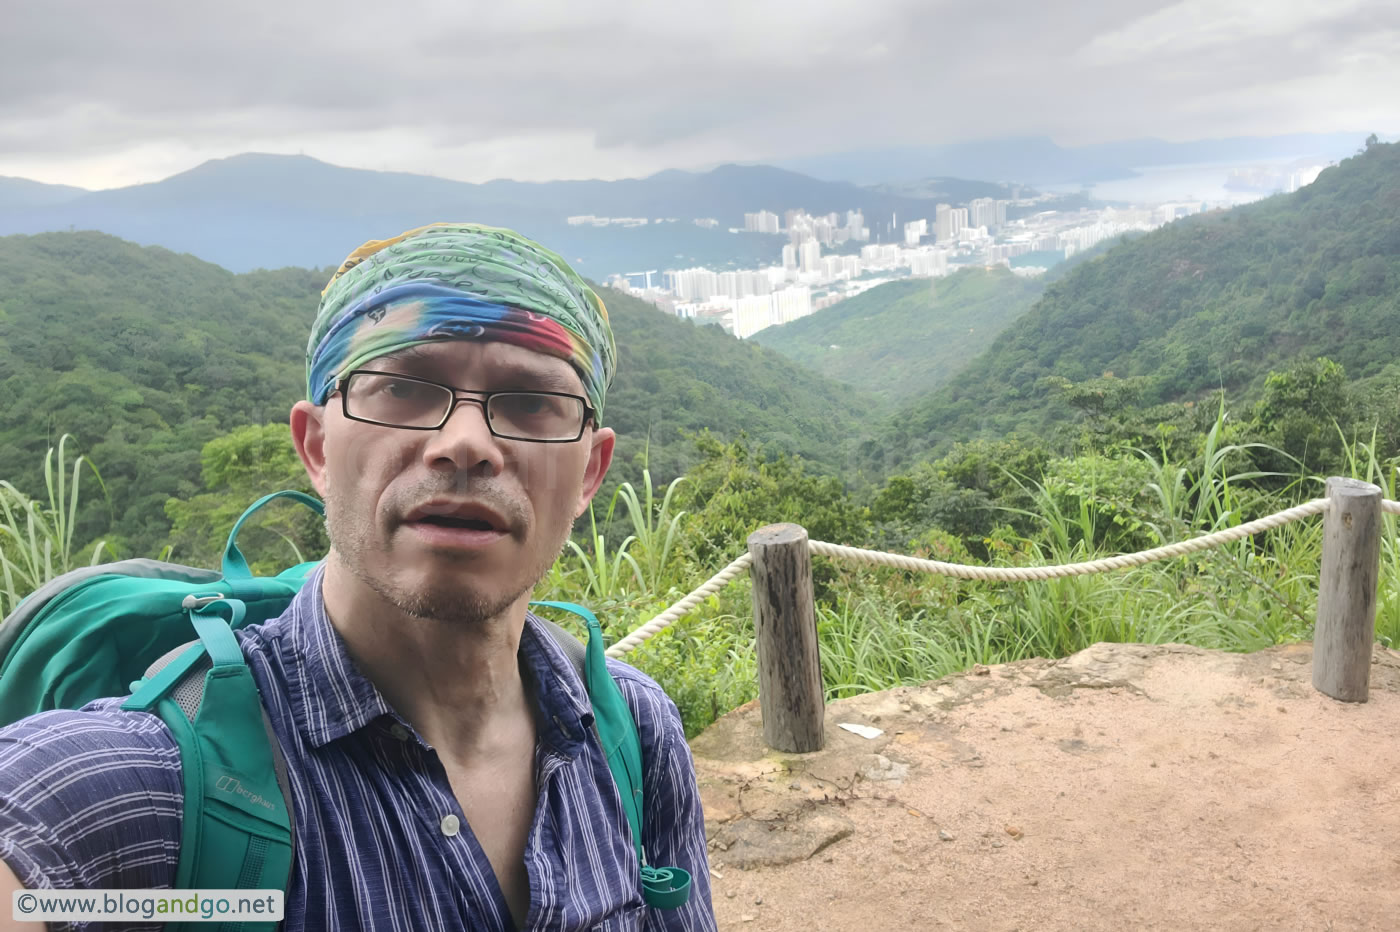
458 281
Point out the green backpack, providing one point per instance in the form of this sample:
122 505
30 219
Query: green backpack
105 630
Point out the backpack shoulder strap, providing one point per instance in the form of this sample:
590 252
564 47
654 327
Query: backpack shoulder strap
237 824
662 887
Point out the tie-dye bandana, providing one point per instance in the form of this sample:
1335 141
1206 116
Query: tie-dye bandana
453 281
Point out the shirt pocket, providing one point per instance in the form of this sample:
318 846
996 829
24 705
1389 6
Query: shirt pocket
626 920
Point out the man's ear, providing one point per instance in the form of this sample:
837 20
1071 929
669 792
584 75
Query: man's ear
599 459
309 437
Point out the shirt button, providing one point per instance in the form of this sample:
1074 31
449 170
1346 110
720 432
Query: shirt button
450 825
398 731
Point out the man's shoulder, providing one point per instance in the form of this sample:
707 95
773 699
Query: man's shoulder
101 733
627 674
657 716
90 798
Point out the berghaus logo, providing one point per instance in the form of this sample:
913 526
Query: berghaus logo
234 786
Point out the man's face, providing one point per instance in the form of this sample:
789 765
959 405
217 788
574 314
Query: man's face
451 524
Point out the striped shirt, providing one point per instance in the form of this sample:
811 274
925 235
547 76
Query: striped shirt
92 798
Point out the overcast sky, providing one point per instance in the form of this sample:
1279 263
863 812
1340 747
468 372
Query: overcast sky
101 93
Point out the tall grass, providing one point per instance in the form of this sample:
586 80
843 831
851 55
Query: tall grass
36 542
880 627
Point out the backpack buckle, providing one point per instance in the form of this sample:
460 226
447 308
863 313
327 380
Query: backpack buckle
195 602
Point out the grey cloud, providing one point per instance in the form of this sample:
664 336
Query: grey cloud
100 75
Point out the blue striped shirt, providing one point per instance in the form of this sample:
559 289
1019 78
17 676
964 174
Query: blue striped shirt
93 798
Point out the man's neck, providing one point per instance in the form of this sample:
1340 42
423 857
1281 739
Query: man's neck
458 685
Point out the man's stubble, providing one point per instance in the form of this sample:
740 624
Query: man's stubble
352 538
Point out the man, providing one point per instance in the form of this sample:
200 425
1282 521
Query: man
443 769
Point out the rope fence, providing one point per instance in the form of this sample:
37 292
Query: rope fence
1352 512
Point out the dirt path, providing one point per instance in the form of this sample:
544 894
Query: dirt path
1127 787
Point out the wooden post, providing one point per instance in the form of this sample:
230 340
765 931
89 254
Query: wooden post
789 664
1346 590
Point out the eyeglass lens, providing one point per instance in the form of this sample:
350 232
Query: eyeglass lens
401 402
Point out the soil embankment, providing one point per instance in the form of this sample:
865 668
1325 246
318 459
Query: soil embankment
1126 787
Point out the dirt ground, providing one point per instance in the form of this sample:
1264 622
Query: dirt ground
1127 787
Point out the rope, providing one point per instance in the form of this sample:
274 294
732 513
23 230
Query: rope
1024 573
663 621
995 573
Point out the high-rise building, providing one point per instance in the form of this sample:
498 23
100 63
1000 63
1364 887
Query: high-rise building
789 256
799 227
942 223
810 256
928 262
959 220
763 221
698 284
733 285
982 212
791 304
751 315
914 231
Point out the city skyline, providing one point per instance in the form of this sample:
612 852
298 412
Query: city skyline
101 95
977 234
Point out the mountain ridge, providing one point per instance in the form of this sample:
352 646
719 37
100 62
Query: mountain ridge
257 210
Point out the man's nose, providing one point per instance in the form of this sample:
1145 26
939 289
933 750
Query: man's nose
465 439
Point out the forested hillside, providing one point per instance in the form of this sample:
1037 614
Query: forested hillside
1213 301
674 378
145 356
907 338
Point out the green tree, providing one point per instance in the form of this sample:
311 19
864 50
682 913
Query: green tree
237 469
734 491
1306 412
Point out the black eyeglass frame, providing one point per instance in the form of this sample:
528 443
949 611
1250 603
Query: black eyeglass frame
457 398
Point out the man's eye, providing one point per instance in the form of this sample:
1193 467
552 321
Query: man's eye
525 405
403 391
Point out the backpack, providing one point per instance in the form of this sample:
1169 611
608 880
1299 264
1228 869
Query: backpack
105 630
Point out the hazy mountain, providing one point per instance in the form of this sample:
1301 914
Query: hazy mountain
1039 160
269 211
1216 300
21 193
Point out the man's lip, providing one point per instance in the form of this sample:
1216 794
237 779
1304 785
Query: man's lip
454 538
465 511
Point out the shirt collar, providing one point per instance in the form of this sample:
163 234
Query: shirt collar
331 698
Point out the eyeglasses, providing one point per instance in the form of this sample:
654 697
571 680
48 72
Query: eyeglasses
410 403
